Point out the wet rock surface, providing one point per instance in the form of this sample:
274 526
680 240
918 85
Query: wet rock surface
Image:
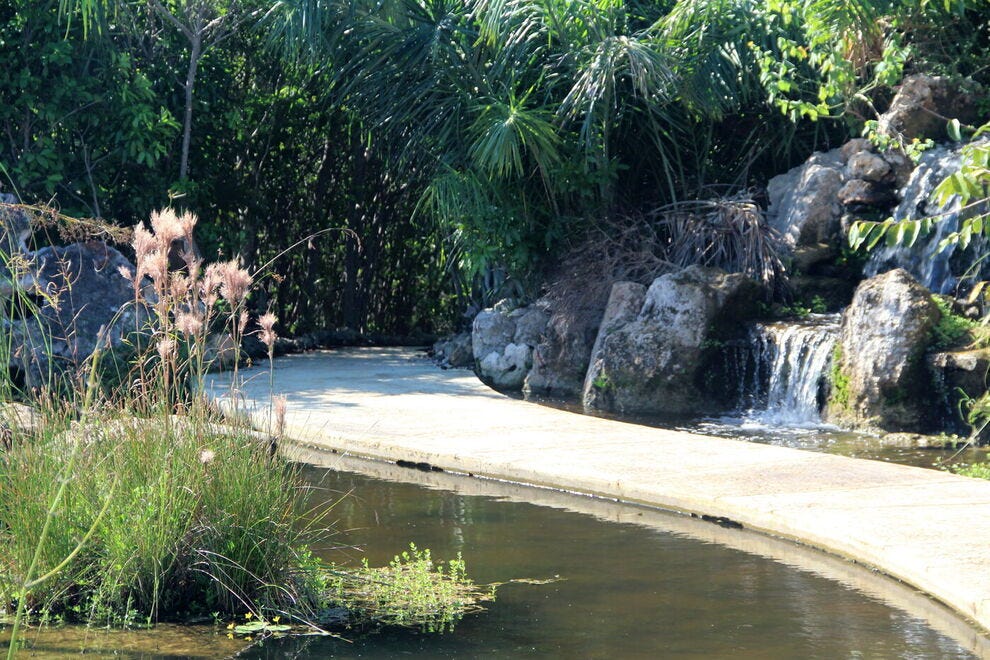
651 363
880 380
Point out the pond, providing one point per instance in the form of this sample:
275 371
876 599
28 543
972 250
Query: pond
629 582
811 436
633 582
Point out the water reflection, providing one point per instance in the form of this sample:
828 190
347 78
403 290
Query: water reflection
634 583
647 585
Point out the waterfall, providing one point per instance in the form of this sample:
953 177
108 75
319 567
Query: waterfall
936 270
784 370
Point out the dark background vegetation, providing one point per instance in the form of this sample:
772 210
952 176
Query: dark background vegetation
455 150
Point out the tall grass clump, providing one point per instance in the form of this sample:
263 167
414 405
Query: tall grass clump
180 515
192 522
130 501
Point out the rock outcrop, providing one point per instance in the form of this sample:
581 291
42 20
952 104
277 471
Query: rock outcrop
502 342
85 299
922 105
880 381
560 360
454 352
652 363
804 207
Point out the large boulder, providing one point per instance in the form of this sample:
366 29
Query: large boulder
880 381
624 304
923 104
959 375
502 341
560 359
804 205
653 363
85 300
15 229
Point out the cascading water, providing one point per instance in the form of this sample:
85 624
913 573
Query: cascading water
783 370
936 270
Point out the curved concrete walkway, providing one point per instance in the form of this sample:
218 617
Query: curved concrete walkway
927 528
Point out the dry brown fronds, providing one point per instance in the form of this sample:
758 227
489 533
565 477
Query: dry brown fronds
69 228
727 232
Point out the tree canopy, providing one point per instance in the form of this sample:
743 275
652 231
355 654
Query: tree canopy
447 143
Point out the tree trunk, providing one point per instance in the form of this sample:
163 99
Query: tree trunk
195 53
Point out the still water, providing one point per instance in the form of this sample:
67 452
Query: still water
634 582
631 583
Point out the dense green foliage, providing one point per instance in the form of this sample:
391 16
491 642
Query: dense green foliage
446 144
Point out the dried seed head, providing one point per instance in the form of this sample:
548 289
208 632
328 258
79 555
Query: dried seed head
206 456
166 348
156 267
189 324
210 285
179 287
267 333
167 227
126 272
143 242
242 321
187 221
236 282
280 403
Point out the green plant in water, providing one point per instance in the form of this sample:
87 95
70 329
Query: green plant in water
412 591
159 515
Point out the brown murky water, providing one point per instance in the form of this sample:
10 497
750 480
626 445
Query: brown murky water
634 583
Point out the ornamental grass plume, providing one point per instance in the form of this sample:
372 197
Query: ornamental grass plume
168 227
235 282
190 324
267 334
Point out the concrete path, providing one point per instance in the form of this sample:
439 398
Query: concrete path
927 528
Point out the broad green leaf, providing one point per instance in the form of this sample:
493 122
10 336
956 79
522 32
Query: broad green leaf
954 130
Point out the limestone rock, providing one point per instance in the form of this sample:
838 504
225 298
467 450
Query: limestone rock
804 207
959 374
454 351
853 147
651 363
506 370
491 331
869 167
86 301
900 165
15 228
502 341
881 379
530 323
966 370
858 192
561 358
921 106
624 304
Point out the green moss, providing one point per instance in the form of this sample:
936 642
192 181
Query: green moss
839 396
952 330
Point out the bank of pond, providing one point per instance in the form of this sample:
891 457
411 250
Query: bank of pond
579 577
